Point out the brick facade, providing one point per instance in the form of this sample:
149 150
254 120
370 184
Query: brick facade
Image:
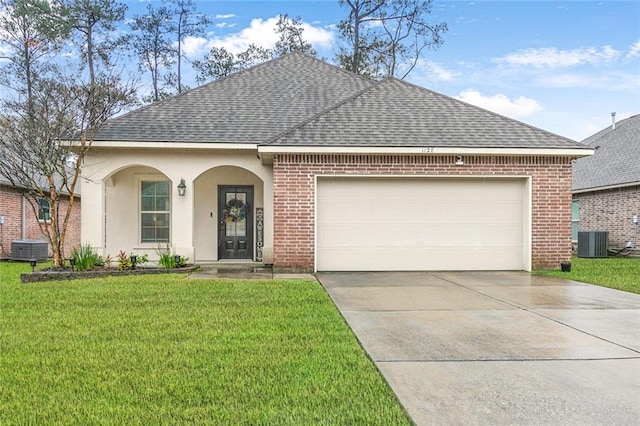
11 210
294 198
610 210
11 207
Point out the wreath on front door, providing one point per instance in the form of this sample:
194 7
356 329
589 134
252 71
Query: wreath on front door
234 211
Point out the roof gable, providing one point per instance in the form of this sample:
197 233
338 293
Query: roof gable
246 107
393 113
616 160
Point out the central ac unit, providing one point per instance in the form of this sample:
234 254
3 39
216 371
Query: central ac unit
29 250
593 244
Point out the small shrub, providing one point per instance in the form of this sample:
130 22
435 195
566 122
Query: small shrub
141 259
124 261
182 261
86 258
167 259
108 261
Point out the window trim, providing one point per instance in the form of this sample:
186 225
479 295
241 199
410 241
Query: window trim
152 178
42 217
576 219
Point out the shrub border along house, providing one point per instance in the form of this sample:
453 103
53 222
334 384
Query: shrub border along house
66 274
85 262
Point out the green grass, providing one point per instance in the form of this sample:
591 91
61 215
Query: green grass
165 350
620 273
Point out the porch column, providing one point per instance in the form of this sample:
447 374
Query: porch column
182 218
267 254
92 214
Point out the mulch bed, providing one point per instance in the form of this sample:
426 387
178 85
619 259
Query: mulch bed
57 274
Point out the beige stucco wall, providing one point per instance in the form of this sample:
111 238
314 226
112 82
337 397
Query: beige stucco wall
110 219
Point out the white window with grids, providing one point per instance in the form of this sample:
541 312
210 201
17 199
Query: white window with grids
44 210
155 211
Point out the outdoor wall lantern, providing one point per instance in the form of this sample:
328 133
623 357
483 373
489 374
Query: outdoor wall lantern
459 160
182 188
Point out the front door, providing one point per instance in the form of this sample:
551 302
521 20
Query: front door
235 213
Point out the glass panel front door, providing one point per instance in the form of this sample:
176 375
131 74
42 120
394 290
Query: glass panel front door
235 213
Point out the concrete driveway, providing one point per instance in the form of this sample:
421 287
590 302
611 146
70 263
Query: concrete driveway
498 348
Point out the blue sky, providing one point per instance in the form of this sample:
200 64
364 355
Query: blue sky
563 66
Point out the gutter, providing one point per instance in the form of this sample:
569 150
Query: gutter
267 152
175 145
604 188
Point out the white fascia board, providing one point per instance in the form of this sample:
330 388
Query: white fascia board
558 152
604 188
174 145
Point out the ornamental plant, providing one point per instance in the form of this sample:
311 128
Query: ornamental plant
167 258
124 261
86 258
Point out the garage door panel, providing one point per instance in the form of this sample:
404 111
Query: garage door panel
420 224
387 235
412 259
417 234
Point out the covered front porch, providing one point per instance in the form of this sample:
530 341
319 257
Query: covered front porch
205 207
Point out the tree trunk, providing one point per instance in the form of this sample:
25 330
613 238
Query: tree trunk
355 63
180 51
92 75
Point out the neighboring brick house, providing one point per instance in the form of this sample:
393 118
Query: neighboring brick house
305 166
606 186
19 222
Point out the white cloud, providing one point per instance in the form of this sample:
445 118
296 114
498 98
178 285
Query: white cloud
515 108
555 58
634 51
261 33
225 25
437 72
613 80
194 46
227 16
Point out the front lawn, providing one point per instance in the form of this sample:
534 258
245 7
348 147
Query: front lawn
621 273
165 350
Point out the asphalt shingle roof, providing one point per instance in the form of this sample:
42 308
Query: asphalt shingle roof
247 107
616 160
297 100
398 114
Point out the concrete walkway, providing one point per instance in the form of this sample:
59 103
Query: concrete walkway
243 271
498 348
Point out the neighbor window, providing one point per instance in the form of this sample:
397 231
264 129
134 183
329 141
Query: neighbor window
44 210
575 219
154 211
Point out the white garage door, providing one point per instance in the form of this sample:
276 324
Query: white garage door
405 224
